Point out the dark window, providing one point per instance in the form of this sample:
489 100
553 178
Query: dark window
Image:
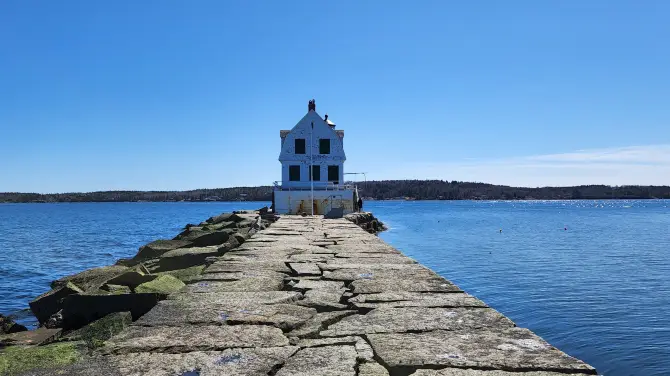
300 146
334 173
294 173
316 173
324 146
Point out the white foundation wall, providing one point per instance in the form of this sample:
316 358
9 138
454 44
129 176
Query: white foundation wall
293 202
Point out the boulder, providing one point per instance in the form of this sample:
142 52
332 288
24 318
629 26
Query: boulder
116 289
241 237
185 275
7 325
81 309
230 244
130 278
225 217
164 285
185 258
92 278
246 223
50 302
158 248
203 238
95 333
219 226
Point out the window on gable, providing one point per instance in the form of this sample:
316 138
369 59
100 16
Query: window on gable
294 173
300 146
334 174
315 173
324 146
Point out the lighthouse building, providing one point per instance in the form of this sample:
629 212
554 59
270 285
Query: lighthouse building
312 162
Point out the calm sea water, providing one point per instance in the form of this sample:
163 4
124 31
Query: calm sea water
591 277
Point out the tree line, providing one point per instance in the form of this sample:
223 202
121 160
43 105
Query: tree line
376 190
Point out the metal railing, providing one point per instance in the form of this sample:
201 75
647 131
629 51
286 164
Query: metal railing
307 185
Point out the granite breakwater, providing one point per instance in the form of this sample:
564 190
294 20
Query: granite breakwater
251 293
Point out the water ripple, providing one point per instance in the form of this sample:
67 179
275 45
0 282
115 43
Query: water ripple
599 290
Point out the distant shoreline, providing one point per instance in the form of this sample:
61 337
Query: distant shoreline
407 190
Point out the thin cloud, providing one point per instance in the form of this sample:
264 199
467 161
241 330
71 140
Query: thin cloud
635 165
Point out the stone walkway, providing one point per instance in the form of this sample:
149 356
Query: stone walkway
311 297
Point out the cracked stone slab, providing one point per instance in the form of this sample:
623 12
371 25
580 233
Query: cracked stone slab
181 313
193 338
353 274
229 266
323 300
364 248
304 268
355 264
476 372
311 257
413 299
260 297
390 259
363 349
373 255
326 360
414 319
317 323
236 276
246 285
365 286
511 349
304 285
239 362
372 369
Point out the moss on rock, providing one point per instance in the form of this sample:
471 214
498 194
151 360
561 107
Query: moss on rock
164 284
16 359
185 275
97 332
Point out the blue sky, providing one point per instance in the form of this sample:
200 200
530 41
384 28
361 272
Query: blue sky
166 94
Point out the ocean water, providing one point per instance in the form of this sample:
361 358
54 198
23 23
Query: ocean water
591 277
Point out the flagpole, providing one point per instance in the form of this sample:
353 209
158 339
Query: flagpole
311 164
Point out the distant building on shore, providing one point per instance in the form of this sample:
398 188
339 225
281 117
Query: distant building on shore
312 160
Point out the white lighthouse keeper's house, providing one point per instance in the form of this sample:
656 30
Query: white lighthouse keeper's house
312 159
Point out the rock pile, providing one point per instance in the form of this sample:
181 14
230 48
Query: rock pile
134 286
367 222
